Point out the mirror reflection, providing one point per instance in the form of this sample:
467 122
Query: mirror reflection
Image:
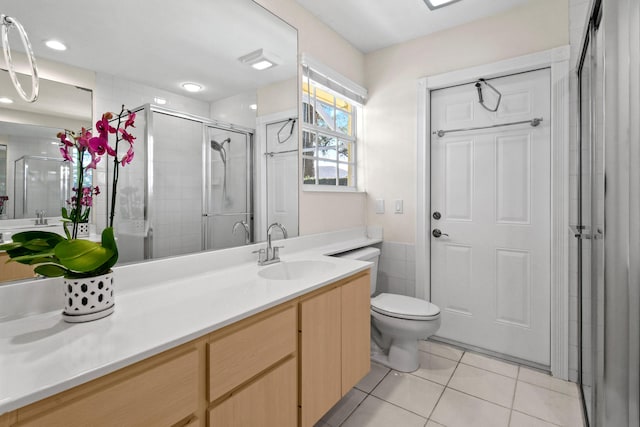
212 169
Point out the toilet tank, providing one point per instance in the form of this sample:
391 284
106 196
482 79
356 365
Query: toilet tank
366 254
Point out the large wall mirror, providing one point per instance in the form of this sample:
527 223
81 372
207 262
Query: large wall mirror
213 168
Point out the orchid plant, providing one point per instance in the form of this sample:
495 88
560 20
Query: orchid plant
56 256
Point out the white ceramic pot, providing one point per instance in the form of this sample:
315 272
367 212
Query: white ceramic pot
88 298
83 229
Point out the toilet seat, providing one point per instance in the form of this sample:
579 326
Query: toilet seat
404 307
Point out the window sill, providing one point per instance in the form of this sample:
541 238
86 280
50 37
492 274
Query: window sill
330 189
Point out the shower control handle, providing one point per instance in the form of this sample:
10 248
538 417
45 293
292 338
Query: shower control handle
437 233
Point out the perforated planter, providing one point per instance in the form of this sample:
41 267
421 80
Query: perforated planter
83 229
88 298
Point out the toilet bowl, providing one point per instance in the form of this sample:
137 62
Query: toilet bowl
398 322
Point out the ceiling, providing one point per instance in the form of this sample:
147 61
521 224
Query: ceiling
370 25
162 44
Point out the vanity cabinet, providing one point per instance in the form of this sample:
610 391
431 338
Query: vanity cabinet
334 344
14 270
283 367
161 391
253 374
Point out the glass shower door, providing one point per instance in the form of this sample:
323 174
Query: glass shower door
591 225
228 214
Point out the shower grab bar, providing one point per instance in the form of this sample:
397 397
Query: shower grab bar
275 153
533 122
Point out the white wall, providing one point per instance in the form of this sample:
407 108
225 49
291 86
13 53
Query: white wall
391 78
324 211
236 109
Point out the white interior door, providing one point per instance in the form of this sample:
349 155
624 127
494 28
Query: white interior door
491 191
282 174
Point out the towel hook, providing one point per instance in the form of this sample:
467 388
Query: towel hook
6 22
481 100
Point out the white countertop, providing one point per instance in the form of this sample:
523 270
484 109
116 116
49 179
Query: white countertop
41 355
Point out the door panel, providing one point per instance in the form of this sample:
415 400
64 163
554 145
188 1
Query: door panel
491 266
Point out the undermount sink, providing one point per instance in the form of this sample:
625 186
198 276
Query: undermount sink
293 270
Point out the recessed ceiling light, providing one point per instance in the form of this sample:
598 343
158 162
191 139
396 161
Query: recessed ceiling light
437 4
253 106
160 101
192 87
5 100
55 45
259 59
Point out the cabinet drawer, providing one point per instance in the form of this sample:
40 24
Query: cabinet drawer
270 401
159 396
238 356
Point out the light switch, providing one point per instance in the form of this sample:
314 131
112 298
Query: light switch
398 206
379 206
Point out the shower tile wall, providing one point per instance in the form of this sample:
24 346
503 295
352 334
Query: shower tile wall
397 269
111 92
578 10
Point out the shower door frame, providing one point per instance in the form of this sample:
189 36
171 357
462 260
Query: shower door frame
557 59
148 215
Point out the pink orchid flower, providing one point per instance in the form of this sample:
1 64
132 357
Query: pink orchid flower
95 159
96 190
100 145
127 157
84 138
65 153
64 140
103 127
127 136
130 120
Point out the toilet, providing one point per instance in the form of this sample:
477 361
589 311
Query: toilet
398 322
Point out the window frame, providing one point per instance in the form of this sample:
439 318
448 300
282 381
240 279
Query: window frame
352 141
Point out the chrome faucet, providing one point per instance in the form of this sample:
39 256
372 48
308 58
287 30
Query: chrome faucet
270 255
236 227
40 219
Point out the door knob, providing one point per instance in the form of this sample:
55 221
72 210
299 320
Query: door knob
437 233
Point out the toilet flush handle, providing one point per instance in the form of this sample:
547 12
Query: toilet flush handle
437 233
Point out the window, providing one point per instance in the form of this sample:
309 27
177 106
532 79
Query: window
329 133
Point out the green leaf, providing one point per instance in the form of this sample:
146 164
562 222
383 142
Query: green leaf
37 245
25 236
26 259
109 242
65 213
82 255
9 246
50 270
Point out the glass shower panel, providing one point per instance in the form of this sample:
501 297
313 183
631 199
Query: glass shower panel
129 220
228 188
41 183
176 197
591 213
584 245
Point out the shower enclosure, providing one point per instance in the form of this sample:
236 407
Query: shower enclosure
189 188
40 184
608 228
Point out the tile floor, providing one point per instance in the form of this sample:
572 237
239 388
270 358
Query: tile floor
456 388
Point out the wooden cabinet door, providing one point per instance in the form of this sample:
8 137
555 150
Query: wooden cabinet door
356 331
270 401
320 372
161 395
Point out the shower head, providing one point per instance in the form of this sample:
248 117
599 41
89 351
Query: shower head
219 146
